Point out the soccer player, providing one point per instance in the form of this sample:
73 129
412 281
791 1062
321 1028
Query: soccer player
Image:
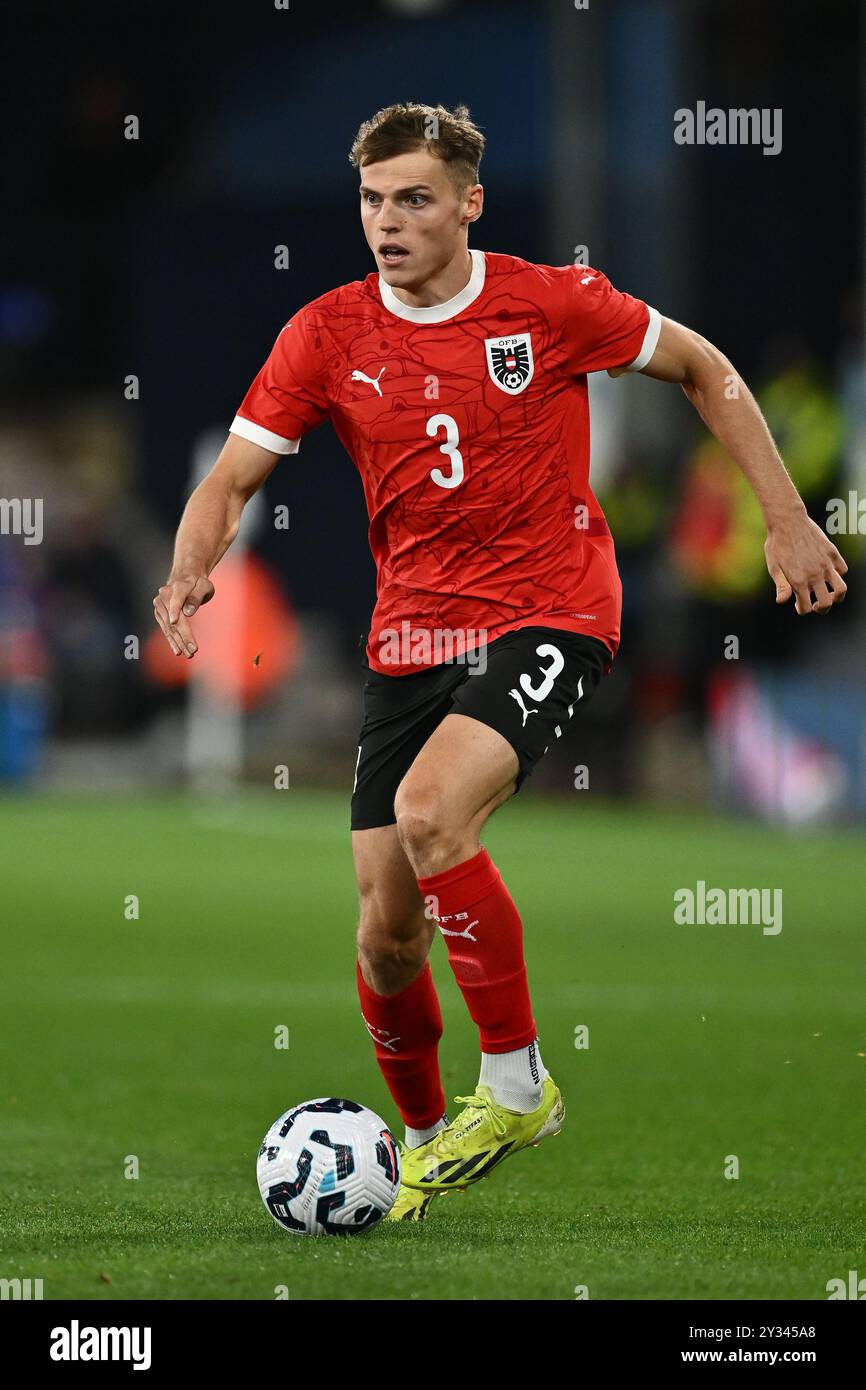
456 381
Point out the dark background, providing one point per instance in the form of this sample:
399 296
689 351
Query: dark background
155 257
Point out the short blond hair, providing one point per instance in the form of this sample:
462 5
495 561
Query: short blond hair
409 125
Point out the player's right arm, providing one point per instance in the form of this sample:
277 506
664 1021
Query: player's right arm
208 526
288 397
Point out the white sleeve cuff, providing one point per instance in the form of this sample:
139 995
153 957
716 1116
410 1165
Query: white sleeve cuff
264 438
651 337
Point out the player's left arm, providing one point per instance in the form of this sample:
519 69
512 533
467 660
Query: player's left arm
800 558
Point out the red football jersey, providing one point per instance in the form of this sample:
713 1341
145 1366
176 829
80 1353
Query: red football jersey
469 424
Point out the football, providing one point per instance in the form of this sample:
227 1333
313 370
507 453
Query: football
328 1167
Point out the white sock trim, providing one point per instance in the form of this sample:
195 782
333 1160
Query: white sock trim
416 1137
516 1079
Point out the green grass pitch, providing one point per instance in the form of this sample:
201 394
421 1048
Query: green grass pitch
155 1038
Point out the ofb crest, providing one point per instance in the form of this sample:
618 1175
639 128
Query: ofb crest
510 362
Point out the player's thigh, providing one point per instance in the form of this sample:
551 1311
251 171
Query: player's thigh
462 773
400 714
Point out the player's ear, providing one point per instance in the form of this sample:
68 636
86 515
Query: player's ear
474 216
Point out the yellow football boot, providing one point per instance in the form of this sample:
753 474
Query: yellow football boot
411 1204
482 1135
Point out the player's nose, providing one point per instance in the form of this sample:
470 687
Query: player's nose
389 217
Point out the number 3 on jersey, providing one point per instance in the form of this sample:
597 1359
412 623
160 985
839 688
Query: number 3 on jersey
449 447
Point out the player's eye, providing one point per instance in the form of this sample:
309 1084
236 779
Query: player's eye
421 200
370 197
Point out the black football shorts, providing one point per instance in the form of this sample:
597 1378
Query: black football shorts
527 689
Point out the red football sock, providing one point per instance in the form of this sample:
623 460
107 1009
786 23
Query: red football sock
406 1029
484 936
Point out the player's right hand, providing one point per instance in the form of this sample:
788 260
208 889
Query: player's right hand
175 603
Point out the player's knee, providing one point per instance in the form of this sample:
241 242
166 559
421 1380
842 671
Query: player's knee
423 824
392 947
391 929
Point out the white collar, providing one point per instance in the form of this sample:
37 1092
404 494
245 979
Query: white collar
438 313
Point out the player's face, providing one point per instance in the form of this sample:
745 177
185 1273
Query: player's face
413 218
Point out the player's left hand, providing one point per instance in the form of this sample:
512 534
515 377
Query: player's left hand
803 561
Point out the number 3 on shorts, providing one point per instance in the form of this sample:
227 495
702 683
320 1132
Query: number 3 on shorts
550 673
